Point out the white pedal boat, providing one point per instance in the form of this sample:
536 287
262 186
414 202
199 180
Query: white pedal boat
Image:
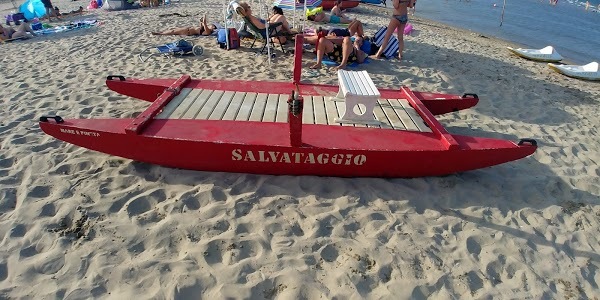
547 54
587 72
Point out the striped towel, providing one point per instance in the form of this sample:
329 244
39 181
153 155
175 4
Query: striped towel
392 48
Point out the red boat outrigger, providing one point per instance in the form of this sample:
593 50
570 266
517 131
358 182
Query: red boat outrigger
329 4
285 128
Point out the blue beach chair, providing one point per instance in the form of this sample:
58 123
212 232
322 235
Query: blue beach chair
179 48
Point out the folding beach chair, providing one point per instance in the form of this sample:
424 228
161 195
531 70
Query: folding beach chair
179 48
259 34
393 45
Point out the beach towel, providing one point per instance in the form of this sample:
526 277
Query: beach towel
79 24
328 62
393 46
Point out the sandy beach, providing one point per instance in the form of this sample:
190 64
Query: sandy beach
77 224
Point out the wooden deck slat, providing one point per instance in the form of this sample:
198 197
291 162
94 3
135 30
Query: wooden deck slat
173 104
308 113
219 111
210 105
197 105
271 108
395 122
380 115
319 109
282 109
246 107
234 106
414 115
331 111
185 104
229 105
408 122
258 109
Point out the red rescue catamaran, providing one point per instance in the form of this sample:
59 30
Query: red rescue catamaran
286 128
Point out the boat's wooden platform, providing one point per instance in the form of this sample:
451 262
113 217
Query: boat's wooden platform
227 105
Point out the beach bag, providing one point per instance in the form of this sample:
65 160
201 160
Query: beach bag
393 46
18 17
234 39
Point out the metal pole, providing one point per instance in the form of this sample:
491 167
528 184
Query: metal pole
502 16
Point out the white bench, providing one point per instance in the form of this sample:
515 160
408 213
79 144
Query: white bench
357 88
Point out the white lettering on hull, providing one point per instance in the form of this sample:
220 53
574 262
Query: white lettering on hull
79 132
346 159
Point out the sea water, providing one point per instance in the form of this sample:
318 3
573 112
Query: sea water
568 26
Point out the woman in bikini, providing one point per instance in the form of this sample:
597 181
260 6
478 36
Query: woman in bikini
325 18
398 21
203 29
7 33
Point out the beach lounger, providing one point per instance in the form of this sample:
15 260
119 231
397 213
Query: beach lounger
179 48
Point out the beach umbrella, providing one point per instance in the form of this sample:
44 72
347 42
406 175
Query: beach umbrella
33 9
297 4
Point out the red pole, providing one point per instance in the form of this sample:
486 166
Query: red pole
298 58
295 106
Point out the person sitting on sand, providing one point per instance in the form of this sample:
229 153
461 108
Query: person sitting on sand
203 29
245 10
345 53
336 10
322 17
7 33
397 22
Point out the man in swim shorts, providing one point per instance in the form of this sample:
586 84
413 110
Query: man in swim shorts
343 53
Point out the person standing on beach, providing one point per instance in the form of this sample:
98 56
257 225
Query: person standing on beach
397 22
50 11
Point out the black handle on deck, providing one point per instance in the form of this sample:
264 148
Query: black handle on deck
57 119
470 95
529 141
110 77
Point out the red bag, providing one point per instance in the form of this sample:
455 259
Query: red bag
234 39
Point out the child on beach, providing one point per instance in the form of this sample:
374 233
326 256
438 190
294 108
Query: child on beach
336 10
397 22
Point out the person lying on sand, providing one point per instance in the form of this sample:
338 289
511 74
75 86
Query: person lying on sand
73 12
203 29
344 53
7 33
325 18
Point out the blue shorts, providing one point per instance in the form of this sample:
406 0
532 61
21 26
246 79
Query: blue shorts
334 19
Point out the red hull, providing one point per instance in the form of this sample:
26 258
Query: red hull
289 148
231 146
329 4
